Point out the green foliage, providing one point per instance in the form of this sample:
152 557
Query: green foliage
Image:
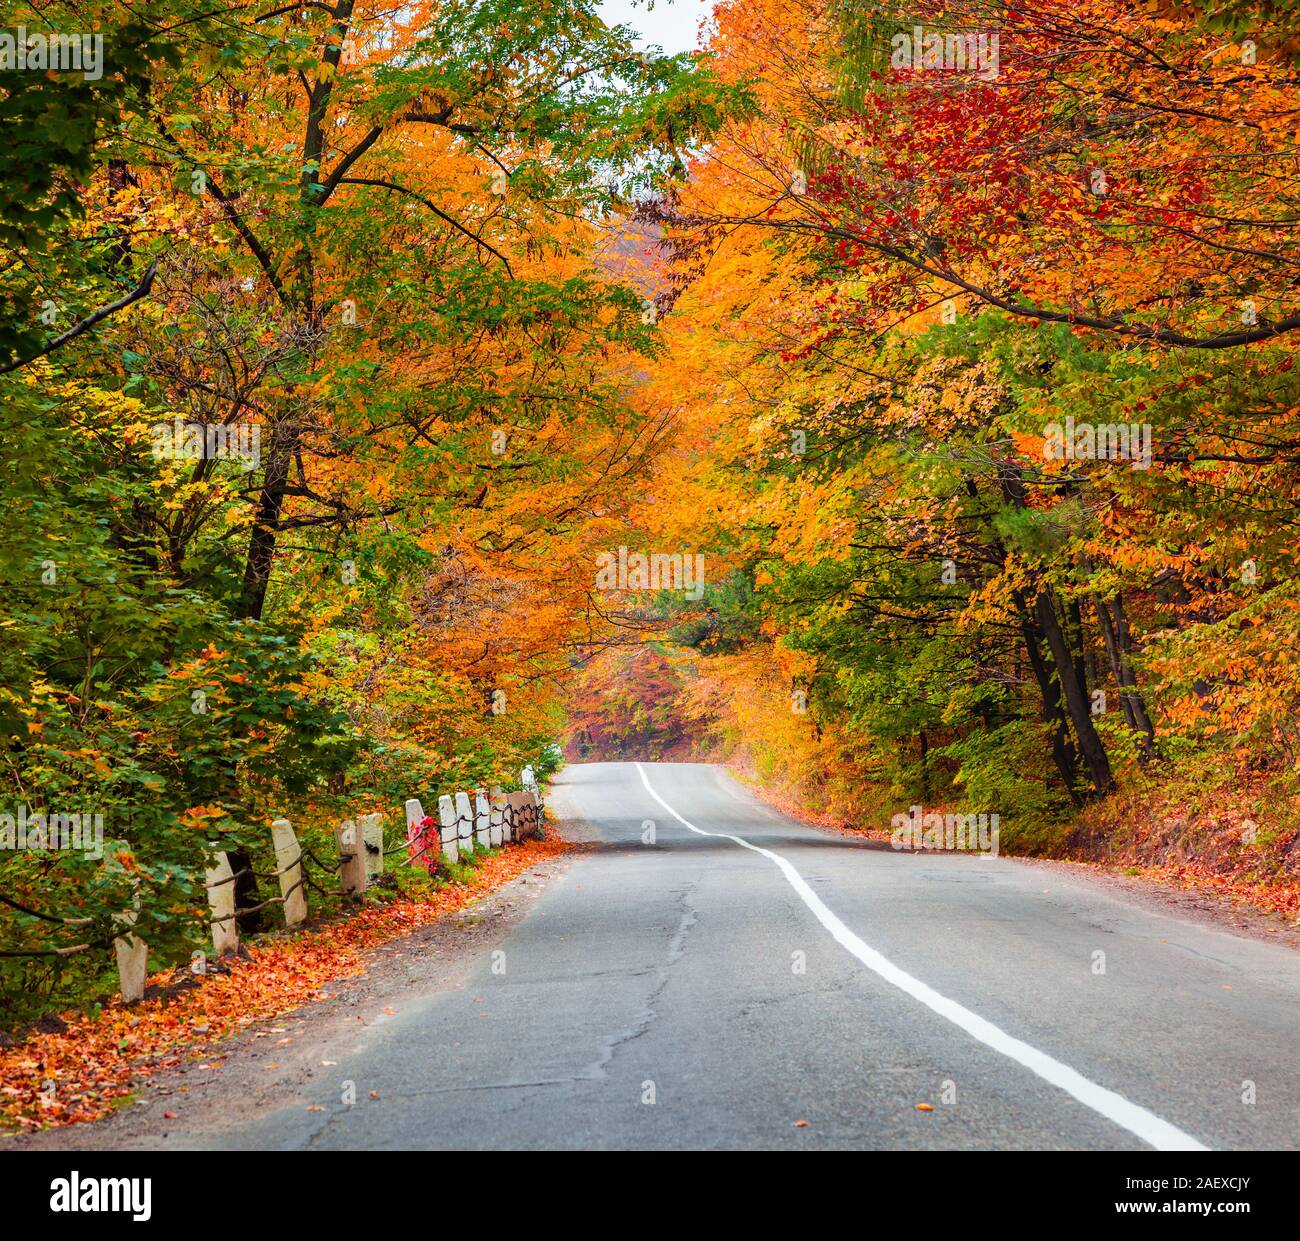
175 655
128 697
1004 771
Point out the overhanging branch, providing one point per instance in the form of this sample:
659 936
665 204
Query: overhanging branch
140 290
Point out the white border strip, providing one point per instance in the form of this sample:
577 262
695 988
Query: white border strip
1137 1120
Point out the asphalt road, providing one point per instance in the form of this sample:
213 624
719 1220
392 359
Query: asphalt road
744 974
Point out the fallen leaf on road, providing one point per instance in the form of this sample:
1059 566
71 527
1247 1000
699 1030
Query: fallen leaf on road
801 1124
924 1107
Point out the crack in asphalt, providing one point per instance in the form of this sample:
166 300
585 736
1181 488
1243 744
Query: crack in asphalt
793 997
1205 956
597 1070
676 949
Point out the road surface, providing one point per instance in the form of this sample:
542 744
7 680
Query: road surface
745 974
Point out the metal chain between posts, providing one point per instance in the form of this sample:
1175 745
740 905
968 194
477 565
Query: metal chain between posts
62 952
274 900
312 883
66 951
505 816
406 845
221 883
36 913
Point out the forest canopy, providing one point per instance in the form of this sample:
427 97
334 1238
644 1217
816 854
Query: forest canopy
351 355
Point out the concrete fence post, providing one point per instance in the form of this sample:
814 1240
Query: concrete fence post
497 806
483 820
221 900
414 833
372 840
447 817
485 816
132 957
352 858
516 803
288 861
464 821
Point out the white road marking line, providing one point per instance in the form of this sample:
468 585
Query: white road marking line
1137 1120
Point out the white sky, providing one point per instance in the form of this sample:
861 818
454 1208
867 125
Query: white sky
671 25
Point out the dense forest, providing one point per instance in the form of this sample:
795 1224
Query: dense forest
314 364
340 342
981 351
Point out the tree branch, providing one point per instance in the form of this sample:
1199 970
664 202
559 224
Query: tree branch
401 189
140 290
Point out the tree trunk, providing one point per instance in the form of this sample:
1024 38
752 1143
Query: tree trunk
1135 711
1063 752
1070 673
246 894
119 179
1125 643
261 542
1075 694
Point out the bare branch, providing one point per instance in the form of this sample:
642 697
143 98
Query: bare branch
401 189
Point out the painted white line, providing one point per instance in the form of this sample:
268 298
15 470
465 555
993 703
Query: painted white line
1137 1120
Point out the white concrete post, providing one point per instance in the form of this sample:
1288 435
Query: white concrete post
414 817
465 821
447 817
516 803
372 840
132 959
528 780
352 858
483 820
292 887
221 900
497 802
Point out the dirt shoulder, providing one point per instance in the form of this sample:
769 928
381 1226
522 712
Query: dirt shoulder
210 1078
